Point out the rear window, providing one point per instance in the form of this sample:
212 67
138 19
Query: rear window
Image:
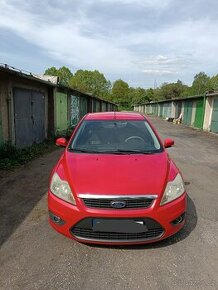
115 136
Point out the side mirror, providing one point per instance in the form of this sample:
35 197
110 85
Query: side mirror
61 142
168 143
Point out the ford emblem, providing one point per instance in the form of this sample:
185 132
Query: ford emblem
118 204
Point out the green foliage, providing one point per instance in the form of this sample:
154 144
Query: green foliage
63 73
172 90
92 82
213 83
95 83
200 84
138 95
150 93
120 94
11 157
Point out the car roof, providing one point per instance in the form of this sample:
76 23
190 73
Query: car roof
114 116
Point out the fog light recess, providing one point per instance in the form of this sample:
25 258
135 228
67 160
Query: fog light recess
56 219
178 220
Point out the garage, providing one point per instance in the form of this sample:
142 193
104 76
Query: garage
98 106
214 118
167 110
187 113
199 114
29 117
104 107
75 112
83 106
161 110
61 112
178 109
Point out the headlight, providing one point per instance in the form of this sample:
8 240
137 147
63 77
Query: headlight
174 189
61 189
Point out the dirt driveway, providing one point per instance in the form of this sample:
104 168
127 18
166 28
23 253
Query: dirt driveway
34 256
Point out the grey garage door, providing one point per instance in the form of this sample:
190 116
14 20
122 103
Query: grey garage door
214 119
29 117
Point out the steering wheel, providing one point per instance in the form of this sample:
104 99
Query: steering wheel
134 137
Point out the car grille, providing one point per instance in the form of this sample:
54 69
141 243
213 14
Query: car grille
83 230
106 203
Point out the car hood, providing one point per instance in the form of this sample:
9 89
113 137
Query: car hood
116 174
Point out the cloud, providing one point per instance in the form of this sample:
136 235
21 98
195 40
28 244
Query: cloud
163 60
143 3
65 41
123 39
161 65
159 72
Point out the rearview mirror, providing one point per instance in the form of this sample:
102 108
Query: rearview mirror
61 142
168 143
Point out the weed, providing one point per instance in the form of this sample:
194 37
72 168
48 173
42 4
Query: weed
10 156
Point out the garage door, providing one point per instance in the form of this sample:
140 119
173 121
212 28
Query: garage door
104 107
29 117
187 113
98 106
214 119
178 109
83 106
94 105
199 115
75 108
61 112
161 110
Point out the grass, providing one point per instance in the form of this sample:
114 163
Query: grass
11 157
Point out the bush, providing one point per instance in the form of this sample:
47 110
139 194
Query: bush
10 156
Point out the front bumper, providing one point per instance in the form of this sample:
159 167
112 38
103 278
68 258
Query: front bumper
158 218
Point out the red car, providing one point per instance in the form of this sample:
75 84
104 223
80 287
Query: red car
115 183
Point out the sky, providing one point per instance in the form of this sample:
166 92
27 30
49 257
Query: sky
145 43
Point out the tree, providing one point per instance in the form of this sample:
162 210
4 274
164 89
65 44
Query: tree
92 82
200 84
120 94
172 90
137 95
153 94
213 83
63 73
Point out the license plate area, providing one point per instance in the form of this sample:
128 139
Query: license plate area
119 225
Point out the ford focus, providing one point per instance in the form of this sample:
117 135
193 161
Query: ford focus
115 183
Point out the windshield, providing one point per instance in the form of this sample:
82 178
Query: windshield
115 137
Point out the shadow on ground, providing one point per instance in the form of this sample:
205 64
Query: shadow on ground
21 190
15 206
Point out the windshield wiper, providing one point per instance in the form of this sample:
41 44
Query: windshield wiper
84 151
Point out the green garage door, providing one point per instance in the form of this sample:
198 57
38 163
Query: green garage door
104 107
94 105
187 113
83 106
98 106
61 112
199 114
214 119
155 109
166 110
161 110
